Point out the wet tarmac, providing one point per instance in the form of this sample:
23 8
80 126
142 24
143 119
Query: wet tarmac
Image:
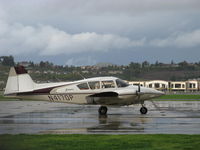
37 117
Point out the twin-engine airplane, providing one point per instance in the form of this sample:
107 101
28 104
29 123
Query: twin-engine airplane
103 91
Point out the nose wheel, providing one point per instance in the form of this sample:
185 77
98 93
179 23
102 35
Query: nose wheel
103 110
143 110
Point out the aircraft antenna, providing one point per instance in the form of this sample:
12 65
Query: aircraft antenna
57 79
81 75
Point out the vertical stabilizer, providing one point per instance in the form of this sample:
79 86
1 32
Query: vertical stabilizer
18 81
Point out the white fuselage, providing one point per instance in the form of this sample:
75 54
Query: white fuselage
106 92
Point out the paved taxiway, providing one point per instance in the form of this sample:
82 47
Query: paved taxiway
38 117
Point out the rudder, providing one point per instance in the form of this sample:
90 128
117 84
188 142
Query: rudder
18 81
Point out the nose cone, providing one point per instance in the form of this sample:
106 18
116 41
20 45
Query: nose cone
156 93
159 92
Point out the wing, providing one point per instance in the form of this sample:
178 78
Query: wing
105 94
103 98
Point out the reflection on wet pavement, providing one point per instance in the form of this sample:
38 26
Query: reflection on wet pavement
181 117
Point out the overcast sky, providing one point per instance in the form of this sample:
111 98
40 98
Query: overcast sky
86 32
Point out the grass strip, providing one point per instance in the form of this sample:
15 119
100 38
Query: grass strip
100 142
179 97
2 98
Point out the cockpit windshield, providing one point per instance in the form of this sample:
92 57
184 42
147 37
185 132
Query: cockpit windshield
121 83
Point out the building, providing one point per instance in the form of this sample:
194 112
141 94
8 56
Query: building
172 86
158 84
192 85
141 83
177 86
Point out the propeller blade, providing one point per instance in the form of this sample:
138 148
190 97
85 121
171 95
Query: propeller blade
139 87
138 91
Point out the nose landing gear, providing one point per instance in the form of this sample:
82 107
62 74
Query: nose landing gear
103 110
143 110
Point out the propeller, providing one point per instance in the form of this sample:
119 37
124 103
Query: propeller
138 92
139 87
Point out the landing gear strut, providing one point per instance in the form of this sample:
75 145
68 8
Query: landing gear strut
103 110
143 110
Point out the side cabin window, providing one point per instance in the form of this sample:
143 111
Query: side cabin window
94 85
121 83
83 86
157 85
108 84
177 85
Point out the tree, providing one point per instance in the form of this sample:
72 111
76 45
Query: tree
7 60
145 64
183 64
135 66
42 64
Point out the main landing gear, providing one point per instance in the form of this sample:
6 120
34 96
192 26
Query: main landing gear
103 110
143 110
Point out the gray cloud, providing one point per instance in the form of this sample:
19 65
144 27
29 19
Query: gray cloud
79 61
50 28
104 6
48 40
181 40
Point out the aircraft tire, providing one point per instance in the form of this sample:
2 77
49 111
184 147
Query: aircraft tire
143 110
103 110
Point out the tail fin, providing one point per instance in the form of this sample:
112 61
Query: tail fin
18 81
